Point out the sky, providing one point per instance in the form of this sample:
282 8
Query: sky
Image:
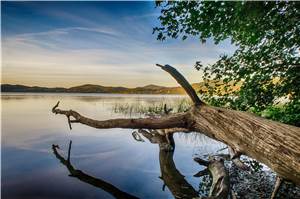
64 44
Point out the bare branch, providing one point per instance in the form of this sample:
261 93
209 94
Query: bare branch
69 122
235 157
137 137
201 161
277 185
178 120
251 135
54 107
183 82
167 110
201 173
220 186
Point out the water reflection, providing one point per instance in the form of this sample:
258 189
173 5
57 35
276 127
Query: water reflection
30 170
109 188
170 175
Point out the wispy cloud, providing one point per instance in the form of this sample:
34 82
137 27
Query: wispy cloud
119 52
64 31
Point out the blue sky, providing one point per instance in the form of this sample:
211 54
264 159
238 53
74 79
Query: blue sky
107 43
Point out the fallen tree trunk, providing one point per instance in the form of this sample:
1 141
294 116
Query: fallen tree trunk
275 144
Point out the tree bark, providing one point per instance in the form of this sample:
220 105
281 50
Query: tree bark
220 185
275 144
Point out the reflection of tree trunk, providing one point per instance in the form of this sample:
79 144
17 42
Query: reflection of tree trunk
109 188
175 181
273 143
172 178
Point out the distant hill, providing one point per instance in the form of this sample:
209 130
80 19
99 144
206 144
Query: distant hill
90 88
22 88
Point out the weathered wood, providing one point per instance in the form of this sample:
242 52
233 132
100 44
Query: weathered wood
220 185
272 143
277 185
235 157
171 121
183 82
275 144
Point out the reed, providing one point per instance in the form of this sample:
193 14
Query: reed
156 108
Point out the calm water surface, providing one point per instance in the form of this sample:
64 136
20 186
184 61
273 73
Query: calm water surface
112 164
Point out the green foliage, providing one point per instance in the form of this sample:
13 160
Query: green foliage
266 62
288 113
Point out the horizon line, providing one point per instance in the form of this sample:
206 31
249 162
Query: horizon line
18 84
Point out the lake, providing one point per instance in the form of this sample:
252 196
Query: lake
112 163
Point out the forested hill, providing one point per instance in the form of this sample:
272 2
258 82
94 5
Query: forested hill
89 88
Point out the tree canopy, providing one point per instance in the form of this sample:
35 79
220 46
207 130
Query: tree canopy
266 63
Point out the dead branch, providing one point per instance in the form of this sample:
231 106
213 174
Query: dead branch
201 173
220 186
273 143
235 157
137 137
169 121
183 82
167 110
277 185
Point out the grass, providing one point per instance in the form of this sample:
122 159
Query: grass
155 108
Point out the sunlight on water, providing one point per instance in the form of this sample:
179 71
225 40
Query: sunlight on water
30 169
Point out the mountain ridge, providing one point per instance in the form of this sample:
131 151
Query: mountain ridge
93 88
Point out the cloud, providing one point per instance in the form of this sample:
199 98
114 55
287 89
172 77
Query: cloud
144 16
64 31
99 55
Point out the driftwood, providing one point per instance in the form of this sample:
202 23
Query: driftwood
220 186
277 185
273 143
